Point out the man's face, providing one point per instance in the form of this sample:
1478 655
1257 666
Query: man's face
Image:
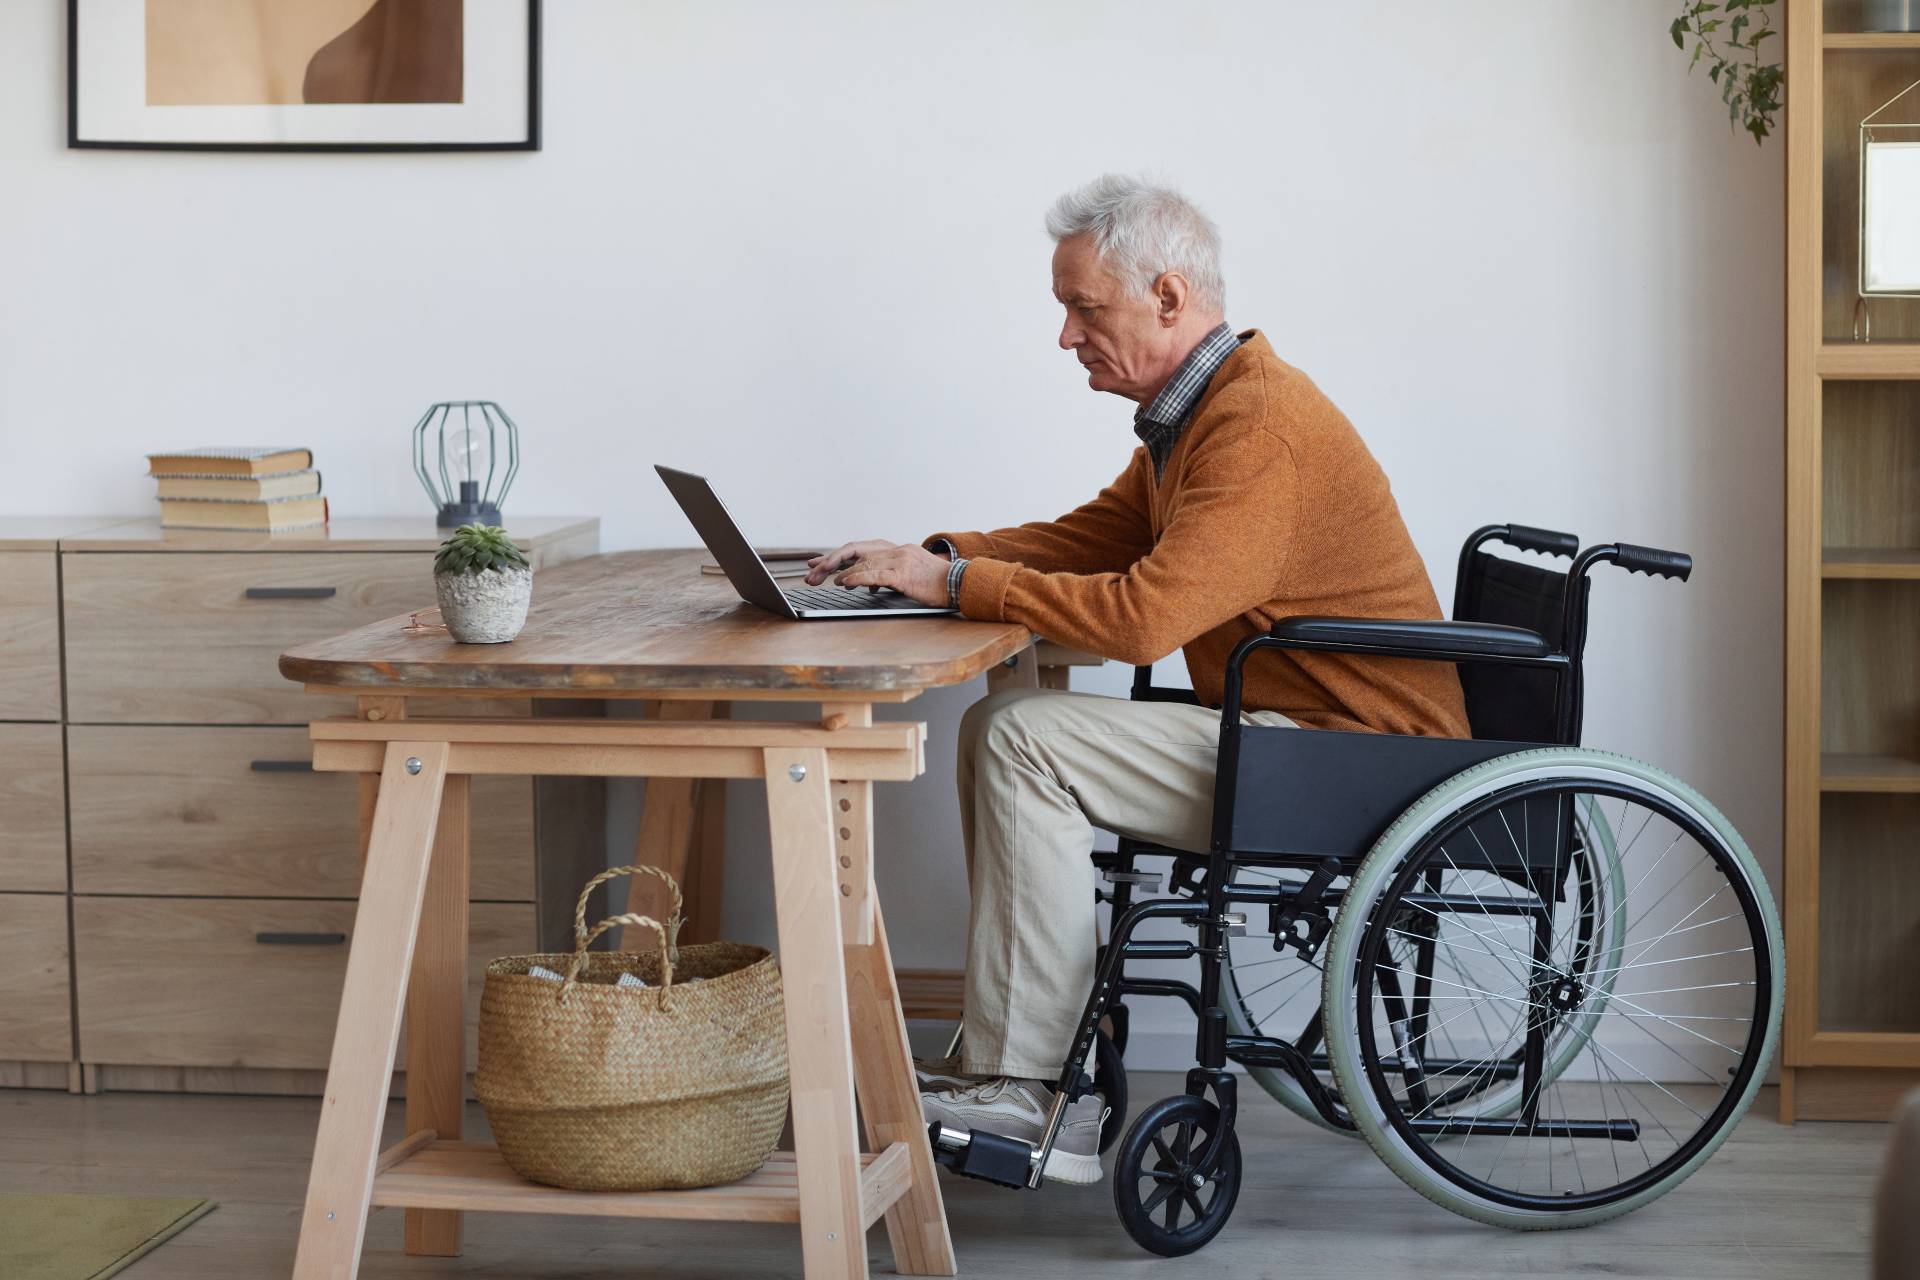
1120 338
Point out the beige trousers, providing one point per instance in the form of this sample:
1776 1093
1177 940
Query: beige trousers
1038 770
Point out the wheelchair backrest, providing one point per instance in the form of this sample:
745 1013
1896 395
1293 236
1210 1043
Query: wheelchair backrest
1515 704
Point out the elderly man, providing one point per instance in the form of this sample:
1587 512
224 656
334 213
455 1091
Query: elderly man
1250 498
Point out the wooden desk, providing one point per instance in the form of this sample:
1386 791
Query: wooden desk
637 625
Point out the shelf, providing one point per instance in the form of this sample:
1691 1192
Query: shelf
1897 563
1870 361
474 1176
1856 771
1871 40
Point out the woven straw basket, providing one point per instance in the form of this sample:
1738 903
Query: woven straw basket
596 1087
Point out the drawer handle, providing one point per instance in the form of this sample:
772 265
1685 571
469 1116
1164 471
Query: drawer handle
281 766
290 593
299 939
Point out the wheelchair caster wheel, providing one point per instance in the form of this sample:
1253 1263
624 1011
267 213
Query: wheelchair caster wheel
1110 1080
1168 1204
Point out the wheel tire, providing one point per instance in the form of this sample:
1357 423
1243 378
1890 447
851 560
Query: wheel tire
1372 879
1110 1081
1141 1157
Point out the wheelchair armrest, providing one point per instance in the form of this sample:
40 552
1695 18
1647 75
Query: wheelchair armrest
1412 638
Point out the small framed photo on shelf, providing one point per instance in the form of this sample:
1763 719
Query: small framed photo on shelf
304 75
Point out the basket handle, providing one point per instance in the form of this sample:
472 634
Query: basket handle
580 936
583 937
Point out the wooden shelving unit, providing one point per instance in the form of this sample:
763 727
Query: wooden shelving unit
1852 780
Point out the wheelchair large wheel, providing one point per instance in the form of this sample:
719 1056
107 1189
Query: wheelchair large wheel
1278 994
1669 1056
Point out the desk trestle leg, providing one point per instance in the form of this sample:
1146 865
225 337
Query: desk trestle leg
437 1012
813 977
406 816
890 1105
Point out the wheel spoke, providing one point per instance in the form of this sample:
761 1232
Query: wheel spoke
1160 1194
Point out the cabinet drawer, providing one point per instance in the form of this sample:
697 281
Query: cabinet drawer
35 1019
33 809
185 983
222 812
176 637
29 636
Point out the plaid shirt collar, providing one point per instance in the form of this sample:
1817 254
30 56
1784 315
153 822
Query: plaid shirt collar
1160 424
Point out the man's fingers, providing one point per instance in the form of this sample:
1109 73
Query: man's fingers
874 571
821 566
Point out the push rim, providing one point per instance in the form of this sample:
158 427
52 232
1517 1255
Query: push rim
1718 889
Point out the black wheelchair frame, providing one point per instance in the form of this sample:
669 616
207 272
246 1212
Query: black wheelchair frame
1318 802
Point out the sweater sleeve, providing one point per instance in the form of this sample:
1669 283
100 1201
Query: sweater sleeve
1106 534
1222 553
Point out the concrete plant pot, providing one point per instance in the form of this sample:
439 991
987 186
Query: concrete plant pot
488 607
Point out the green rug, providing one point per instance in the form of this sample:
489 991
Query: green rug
87 1237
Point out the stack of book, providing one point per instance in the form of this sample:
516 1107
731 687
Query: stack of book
264 490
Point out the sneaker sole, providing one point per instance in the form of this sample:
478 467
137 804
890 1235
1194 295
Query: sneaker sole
1078 1171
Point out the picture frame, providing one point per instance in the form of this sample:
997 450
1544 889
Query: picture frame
143 75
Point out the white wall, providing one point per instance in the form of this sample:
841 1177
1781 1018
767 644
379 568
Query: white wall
799 247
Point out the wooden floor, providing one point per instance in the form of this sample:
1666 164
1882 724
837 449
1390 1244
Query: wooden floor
1774 1203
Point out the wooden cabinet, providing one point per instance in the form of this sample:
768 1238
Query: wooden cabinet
166 801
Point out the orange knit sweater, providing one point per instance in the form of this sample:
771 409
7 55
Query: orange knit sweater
1271 506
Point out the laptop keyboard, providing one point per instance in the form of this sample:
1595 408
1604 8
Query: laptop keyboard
848 598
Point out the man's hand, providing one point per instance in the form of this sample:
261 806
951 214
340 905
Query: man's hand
911 570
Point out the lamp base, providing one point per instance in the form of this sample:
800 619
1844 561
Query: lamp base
454 514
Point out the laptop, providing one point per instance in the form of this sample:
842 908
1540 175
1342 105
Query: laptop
750 577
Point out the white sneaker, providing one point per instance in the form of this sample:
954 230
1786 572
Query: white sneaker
1014 1109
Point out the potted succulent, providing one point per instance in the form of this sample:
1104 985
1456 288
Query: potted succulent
483 584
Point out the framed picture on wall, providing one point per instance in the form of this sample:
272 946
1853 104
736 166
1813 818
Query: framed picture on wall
304 75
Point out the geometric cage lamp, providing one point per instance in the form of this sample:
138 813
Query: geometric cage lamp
1889 242
467 452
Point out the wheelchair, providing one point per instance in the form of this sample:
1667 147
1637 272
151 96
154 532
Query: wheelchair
1542 982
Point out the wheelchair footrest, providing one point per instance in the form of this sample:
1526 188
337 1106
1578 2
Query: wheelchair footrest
987 1156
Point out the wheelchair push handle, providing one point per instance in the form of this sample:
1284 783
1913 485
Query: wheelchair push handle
1546 541
1661 564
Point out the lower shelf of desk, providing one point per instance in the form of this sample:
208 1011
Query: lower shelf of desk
473 1176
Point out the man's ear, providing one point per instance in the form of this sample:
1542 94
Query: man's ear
1170 292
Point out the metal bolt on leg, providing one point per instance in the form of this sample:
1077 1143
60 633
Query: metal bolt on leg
413 764
798 772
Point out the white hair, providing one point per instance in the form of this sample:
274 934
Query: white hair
1141 230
